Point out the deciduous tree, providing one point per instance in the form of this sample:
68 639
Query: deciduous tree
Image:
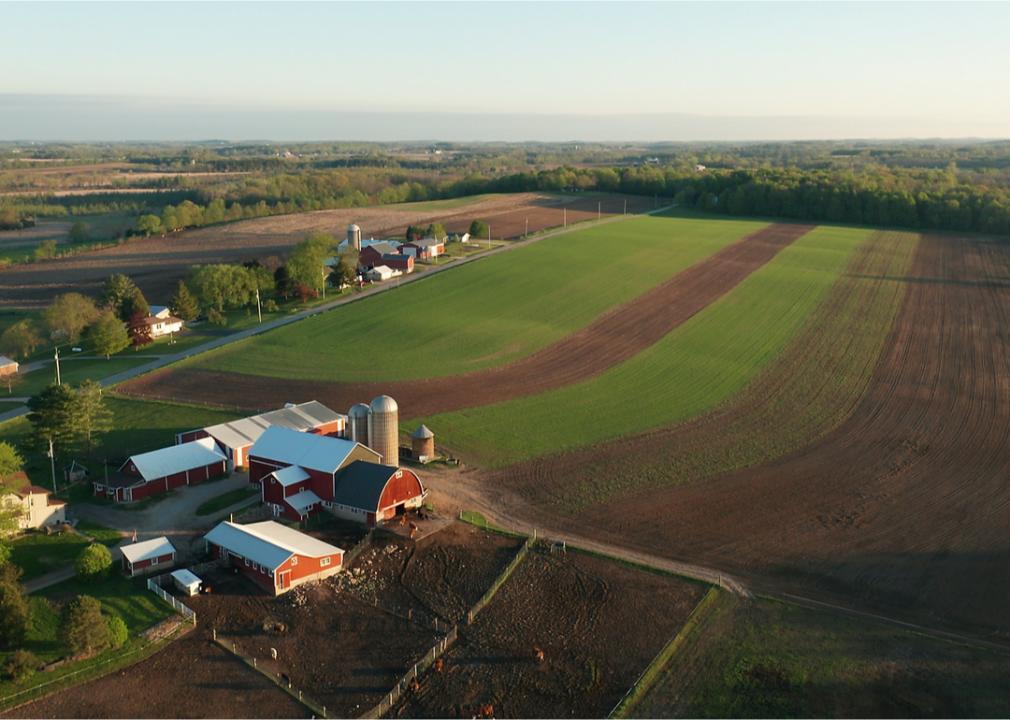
93 562
83 628
107 335
90 416
68 316
20 339
79 232
15 615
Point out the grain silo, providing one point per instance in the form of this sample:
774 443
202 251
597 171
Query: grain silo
383 429
357 423
422 444
354 236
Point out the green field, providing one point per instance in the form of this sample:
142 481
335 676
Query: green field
38 553
697 366
487 313
760 658
76 370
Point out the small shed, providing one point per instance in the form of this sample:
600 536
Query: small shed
186 581
147 556
422 444
380 273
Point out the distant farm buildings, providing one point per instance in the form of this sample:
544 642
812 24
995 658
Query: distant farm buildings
273 556
425 249
7 366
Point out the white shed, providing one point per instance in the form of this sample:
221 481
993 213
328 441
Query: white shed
186 581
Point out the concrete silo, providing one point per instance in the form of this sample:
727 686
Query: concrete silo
383 429
357 423
354 236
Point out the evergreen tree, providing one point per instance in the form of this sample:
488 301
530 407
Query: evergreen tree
82 626
90 415
183 304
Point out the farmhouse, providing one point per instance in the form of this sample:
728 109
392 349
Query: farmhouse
162 470
273 556
34 506
235 438
7 366
162 322
148 556
425 249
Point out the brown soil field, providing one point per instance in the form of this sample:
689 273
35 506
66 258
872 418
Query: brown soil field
598 622
157 263
611 339
905 506
191 678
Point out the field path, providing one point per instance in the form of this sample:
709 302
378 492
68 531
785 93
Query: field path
611 339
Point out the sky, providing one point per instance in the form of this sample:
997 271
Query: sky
503 71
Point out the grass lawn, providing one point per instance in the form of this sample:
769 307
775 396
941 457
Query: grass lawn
226 499
696 367
38 553
136 427
75 371
488 312
760 658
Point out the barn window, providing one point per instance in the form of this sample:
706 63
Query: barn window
294 560
399 473
247 563
323 562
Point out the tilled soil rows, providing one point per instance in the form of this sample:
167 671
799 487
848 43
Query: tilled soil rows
608 341
156 264
905 506
598 623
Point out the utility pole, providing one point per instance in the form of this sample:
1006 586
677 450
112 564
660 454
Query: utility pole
57 356
489 236
323 271
527 233
566 217
625 206
52 463
599 210
259 311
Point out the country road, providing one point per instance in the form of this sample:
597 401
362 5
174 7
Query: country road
163 360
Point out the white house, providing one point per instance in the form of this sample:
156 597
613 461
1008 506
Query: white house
382 272
36 509
162 322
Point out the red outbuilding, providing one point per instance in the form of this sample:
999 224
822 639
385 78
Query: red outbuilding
273 556
148 556
160 471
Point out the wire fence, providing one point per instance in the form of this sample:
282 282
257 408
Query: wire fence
93 670
440 647
268 669
154 585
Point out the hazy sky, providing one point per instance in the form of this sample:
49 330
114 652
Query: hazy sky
671 71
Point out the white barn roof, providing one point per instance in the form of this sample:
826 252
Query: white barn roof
176 458
186 578
268 543
148 549
290 475
302 500
303 417
316 452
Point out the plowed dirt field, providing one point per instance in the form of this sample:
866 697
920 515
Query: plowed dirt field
611 339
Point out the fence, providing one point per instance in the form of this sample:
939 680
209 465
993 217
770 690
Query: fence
429 658
505 574
92 671
183 610
419 667
280 681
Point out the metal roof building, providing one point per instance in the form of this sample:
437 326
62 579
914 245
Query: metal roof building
148 555
160 471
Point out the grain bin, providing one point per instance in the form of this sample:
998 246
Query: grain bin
354 236
422 444
383 429
357 423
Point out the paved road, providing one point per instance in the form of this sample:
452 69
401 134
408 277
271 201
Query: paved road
164 360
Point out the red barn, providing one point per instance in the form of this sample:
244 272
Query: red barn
236 437
425 249
302 474
148 556
273 556
160 471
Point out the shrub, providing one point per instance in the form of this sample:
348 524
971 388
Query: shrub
216 317
83 628
118 632
20 665
270 306
94 561
15 615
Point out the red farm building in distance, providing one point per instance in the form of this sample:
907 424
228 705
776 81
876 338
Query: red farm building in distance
236 437
272 555
302 474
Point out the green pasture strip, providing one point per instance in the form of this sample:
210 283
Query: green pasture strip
37 553
137 426
486 313
693 369
76 371
763 658
809 390
449 204
654 671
